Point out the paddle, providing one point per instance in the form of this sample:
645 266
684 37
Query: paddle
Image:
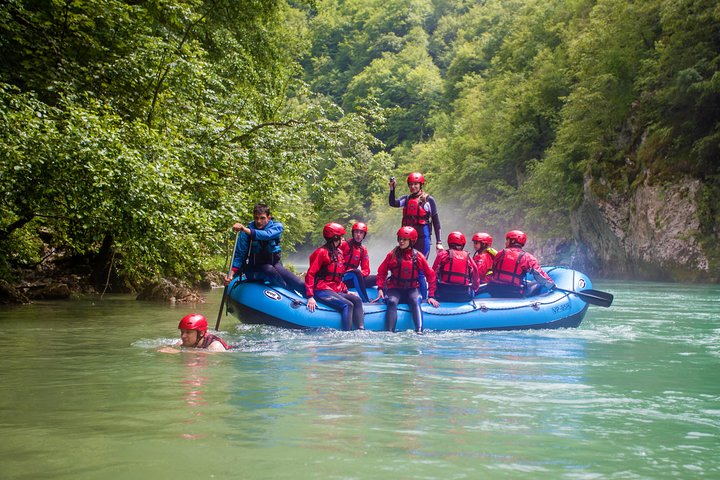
224 296
594 297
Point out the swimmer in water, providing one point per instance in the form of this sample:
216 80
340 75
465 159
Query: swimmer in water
193 334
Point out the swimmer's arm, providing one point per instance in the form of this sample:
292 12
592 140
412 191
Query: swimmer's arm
173 348
216 347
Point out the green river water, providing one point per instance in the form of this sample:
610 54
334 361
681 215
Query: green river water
633 393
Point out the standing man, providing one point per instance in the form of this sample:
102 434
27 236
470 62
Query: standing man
419 211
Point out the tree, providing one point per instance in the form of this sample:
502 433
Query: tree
133 135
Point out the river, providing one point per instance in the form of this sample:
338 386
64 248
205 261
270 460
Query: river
633 393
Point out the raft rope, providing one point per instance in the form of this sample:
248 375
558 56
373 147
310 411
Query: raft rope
476 306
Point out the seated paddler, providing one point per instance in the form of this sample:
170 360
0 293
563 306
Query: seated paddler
324 280
456 271
357 261
510 268
257 254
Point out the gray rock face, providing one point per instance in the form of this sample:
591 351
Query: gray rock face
166 291
653 233
11 295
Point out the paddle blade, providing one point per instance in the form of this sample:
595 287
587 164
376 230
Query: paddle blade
593 297
596 297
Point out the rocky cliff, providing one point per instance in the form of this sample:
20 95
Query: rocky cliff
655 233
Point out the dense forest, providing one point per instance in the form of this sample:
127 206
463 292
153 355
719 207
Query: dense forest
134 133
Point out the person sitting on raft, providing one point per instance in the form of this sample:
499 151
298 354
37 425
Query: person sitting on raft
510 267
404 264
484 255
357 261
193 334
324 280
457 273
257 254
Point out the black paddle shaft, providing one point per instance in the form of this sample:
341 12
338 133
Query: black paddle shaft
594 297
224 296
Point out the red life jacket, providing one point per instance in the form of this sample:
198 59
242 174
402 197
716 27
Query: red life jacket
356 254
413 211
334 271
404 271
507 267
209 338
455 270
480 257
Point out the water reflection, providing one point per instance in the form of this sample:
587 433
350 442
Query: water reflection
633 392
410 391
193 383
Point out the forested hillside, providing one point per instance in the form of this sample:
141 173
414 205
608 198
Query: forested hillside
591 124
133 134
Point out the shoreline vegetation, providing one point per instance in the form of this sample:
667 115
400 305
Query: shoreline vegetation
132 134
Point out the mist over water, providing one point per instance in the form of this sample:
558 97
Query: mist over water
381 238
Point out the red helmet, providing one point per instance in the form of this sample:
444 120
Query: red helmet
194 321
333 230
359 226
483 237
416 177
456 238
516 236
408 232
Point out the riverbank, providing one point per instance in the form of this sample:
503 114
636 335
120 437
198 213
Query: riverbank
50 281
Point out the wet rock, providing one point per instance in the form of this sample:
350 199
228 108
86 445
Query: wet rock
212 280
167 291
50 291
10 295
652 233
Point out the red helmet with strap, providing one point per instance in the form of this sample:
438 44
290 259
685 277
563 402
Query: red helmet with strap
193 321
482 237
409 233
360 226
516 236
456 238
416 177
332 230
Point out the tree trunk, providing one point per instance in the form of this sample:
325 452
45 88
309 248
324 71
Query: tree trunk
101 274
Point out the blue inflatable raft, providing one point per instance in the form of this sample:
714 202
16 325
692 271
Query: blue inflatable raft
563 307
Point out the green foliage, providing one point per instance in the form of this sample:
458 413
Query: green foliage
681 82
152 127
377 49
407 83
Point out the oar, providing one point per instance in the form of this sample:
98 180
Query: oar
594 297
222 302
